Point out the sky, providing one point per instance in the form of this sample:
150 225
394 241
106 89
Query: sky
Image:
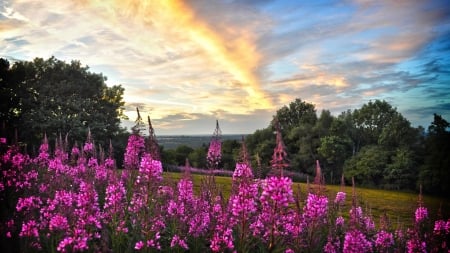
187 63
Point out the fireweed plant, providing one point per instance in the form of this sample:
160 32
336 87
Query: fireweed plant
75 200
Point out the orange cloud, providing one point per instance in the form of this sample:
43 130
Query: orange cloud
236 56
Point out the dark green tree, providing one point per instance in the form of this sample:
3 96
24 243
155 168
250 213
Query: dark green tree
261 142
435 172
297 113
181 153
401 173
54 97
370 120
197 158
368 166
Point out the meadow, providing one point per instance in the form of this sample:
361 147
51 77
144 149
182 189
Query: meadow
397 205
76 200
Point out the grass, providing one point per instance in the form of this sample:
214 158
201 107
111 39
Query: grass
397 205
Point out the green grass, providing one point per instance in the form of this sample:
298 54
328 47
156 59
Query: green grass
398 206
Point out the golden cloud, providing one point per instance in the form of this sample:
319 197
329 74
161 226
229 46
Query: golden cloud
176 21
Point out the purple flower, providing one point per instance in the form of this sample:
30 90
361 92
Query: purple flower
58 222
316 208
139 245
384 240
421 214
242 170
340 198
243 204
222 239
88 147
133 152
185 190
332 245
277 191
28 203
64 243
177 241
114 199
355 241
149 169
29 229
369 224
414 245
356 213
214 153
339 221
441 227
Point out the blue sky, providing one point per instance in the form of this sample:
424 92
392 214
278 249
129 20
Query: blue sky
188 63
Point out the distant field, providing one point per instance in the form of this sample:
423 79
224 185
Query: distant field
193 141
399 206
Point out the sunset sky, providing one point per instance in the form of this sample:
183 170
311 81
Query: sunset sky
188 63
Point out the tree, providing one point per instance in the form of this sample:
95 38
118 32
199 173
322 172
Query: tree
370 120
368 166
54 97
261 142
298 112
397 132
181 153
401 173
335 150
435 172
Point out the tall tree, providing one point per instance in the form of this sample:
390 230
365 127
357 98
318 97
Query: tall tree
298 112
54 97
435 172
370 120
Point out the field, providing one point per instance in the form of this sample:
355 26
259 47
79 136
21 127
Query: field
399 206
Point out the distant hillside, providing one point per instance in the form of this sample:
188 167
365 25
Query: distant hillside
193 141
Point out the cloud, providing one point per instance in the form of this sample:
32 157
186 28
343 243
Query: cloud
183 60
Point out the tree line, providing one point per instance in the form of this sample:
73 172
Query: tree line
373 144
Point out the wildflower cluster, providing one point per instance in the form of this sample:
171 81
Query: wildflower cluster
74 200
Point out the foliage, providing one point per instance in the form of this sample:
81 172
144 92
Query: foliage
435 172
374 143
58 98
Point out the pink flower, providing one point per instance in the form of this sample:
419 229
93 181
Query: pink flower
277 191
384 240
133 152
2 140
58 222
316 208
242 170
243 204
421 214
340 221
214 153
139 245
64 243
88 147
150 169
414 245
29 229
177 241
340 198
355 241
